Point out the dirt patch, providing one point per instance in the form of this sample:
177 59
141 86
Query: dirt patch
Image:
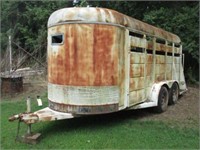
185 112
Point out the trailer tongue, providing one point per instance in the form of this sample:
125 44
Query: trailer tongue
45 114
28 117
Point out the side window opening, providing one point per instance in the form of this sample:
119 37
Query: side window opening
177 45
135 34
161 41
57 39
137 49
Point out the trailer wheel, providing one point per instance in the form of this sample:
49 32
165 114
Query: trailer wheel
173 94
163 99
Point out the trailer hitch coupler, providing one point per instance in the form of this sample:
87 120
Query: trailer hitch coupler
13 118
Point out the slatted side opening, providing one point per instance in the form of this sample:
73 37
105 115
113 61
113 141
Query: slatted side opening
141 64
148 44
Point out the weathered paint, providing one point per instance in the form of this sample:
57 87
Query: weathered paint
83 95
136 83
45 114
136 58
88 56
124 67
138 42
137 96
95 67
87 69
102 15
84 109
137 70
160 59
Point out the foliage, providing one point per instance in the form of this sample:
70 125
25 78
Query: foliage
183 21
81 3
26 22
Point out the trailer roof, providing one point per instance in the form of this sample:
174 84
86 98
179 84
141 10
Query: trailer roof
103 15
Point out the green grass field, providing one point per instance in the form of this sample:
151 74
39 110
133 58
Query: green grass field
122 130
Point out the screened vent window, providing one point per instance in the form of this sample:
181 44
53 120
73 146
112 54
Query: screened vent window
57 39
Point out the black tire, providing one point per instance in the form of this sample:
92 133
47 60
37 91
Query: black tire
163 99
173 94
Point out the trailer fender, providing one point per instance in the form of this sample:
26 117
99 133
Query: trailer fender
153 96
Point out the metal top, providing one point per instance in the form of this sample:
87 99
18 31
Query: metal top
102 15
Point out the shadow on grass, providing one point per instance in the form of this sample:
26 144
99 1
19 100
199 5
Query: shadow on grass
93 121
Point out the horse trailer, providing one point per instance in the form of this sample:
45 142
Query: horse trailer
101 61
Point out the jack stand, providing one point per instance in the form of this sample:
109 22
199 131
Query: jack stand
29 137
32 138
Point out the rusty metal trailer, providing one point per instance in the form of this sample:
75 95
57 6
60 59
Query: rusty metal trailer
101 61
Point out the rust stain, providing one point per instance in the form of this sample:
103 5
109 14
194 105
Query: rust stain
46 118
160 59
83 109
108 16
103 65
149 69
136 70
136 83
160 77
150 59
89 56
150 45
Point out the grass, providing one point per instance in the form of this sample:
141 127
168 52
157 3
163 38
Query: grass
121 130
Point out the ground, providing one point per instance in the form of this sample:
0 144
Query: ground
185 113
